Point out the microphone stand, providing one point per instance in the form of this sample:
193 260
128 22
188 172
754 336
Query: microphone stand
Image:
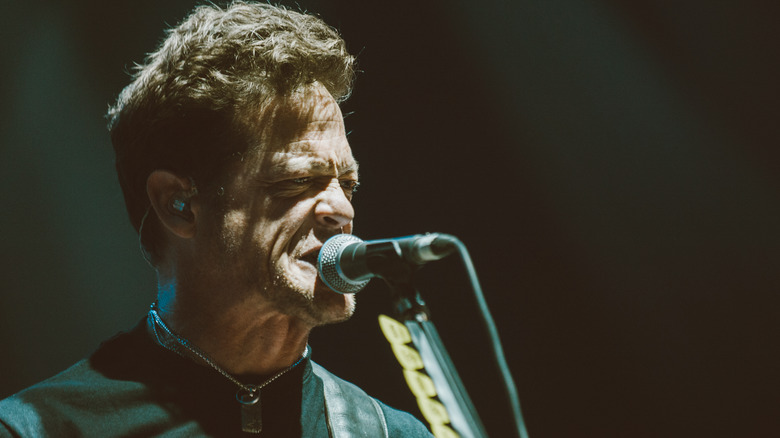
412 311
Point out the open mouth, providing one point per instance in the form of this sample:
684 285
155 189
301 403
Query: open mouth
311 257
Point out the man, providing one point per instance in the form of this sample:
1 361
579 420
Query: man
235 167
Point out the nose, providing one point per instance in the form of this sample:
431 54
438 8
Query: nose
333 209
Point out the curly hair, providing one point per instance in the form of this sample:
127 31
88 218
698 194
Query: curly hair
182 111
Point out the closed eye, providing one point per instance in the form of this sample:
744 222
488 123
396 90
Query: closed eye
349 186
292 187
295 186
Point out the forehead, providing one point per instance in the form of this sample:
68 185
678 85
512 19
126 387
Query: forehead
303 131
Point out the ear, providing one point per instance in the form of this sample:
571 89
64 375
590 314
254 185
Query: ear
172 198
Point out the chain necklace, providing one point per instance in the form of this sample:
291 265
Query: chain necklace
248 396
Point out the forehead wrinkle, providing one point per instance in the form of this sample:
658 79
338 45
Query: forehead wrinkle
302 135
302 113
307 139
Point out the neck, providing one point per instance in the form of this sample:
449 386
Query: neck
241 336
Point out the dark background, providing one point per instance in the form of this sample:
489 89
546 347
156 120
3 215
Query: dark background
612 168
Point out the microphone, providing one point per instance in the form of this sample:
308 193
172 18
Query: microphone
346 263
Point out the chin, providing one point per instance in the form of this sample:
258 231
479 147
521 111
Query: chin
310 300
333 307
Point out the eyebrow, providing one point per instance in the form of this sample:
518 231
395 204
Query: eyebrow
304 163
349 168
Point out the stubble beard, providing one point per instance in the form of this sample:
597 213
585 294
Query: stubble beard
314 304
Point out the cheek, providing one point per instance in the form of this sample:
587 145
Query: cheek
234 229
289 217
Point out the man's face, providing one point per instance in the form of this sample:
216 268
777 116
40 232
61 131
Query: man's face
289 194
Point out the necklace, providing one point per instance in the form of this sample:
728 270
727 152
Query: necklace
248 396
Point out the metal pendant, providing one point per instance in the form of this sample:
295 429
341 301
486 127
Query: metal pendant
251 409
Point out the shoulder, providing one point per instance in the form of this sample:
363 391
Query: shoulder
74 382
32 411
403 424
101 375
72 400
399 423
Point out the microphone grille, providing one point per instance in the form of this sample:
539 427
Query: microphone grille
328 265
